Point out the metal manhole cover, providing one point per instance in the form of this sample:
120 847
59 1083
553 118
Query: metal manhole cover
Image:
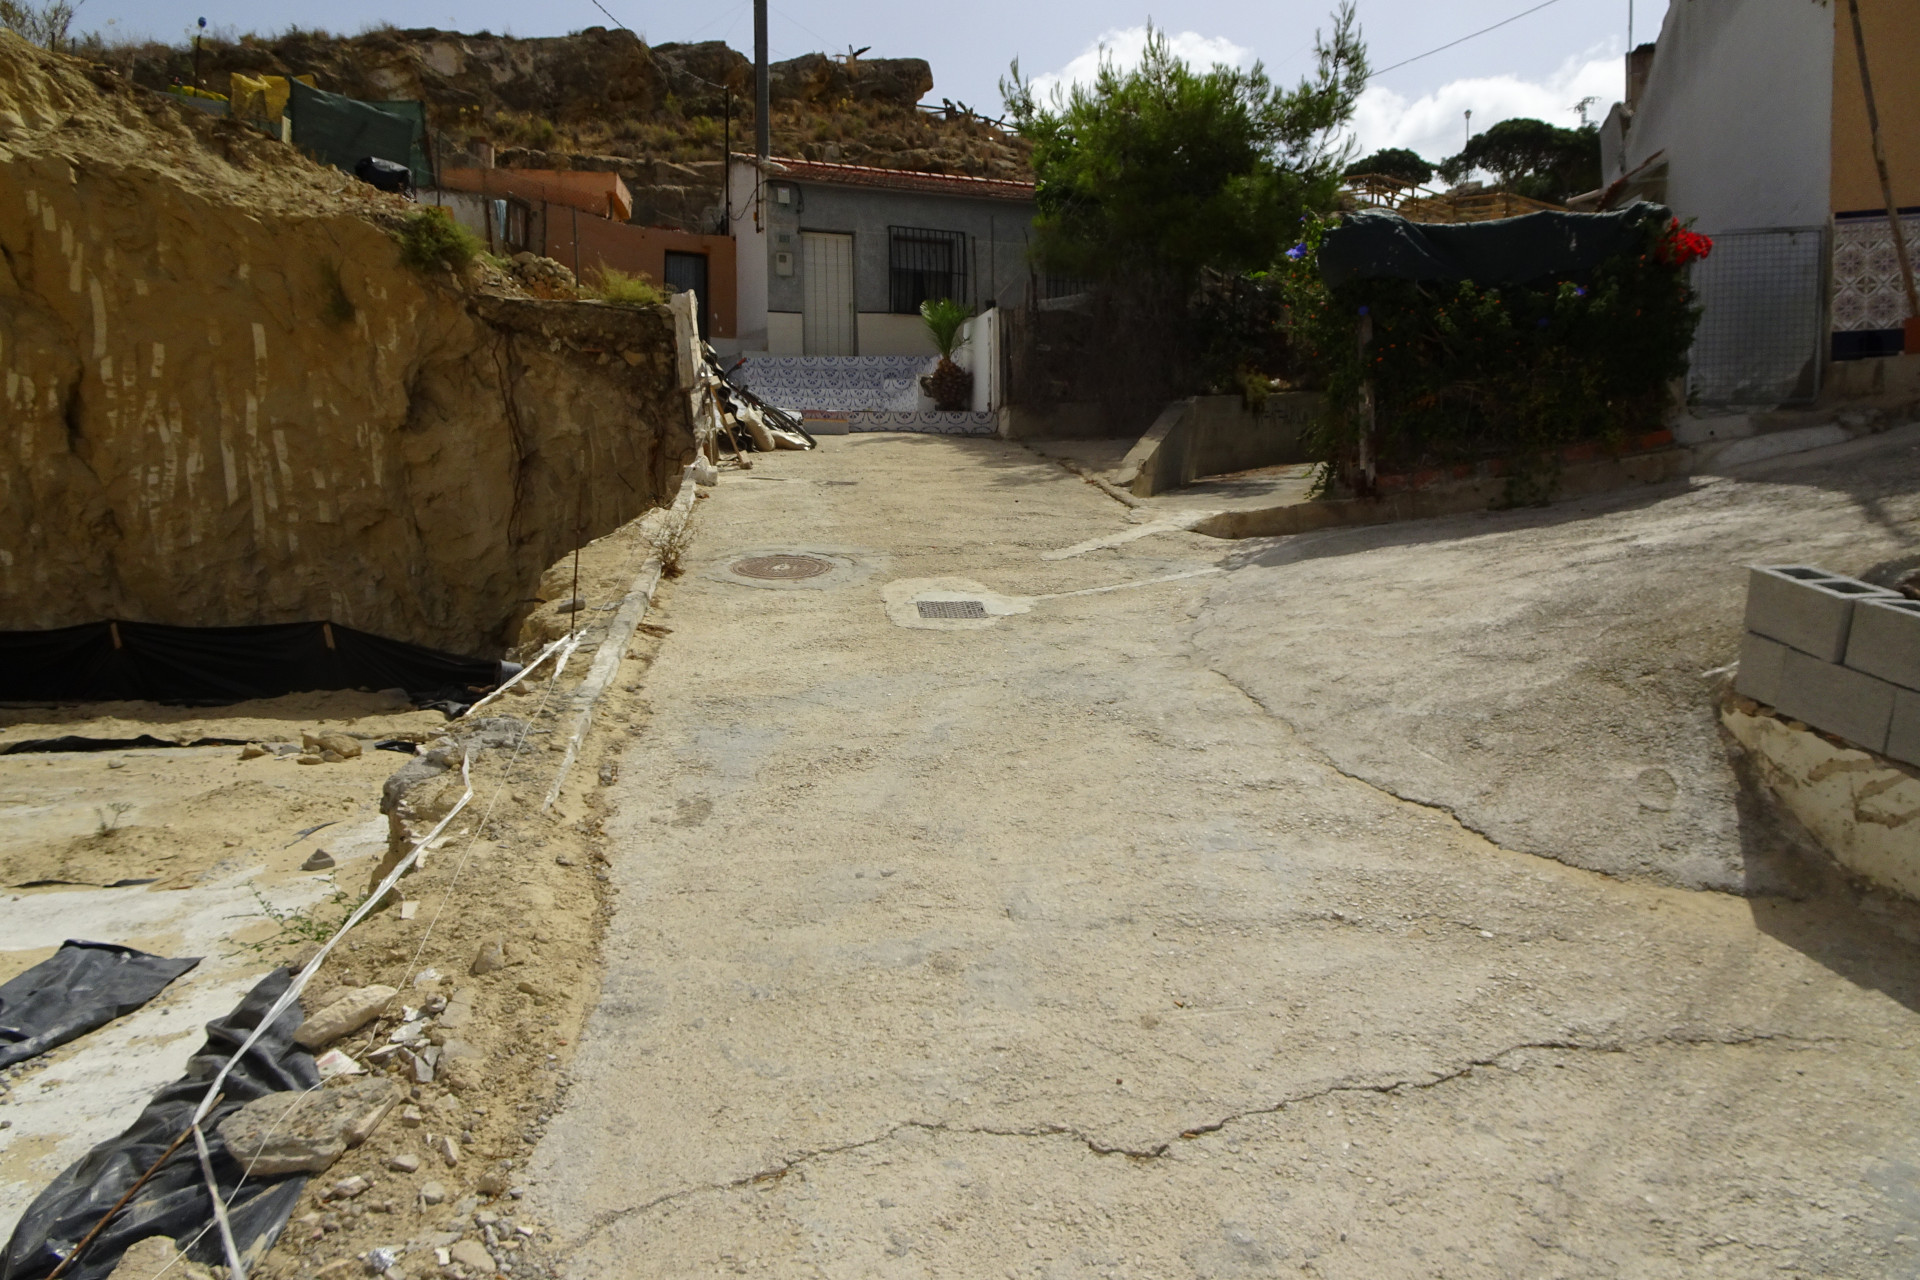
951 608
786 568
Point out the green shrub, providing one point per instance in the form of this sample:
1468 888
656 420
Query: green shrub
624 290
1462 372
944 318
430 239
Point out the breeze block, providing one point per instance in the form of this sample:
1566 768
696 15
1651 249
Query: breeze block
1903 735
1884 640
1806 608
1847 703
1761 663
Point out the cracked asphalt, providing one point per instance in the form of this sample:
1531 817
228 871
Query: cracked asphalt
1098 939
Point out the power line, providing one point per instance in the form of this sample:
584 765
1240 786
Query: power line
1463 39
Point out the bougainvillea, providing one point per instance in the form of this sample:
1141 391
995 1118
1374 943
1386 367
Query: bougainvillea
1681 246
1462 372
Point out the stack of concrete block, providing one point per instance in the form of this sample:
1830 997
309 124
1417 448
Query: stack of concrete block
1839 654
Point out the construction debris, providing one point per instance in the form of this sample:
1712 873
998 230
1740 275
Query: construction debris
344 1015
720 406
302 1132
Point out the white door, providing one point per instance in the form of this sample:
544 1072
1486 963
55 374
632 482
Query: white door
828 320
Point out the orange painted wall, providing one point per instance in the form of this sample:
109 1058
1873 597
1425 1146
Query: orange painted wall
1892 29
601 194
641 251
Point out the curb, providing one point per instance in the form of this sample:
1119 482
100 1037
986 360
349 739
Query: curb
606 659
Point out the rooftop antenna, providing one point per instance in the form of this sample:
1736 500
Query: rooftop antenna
1581 106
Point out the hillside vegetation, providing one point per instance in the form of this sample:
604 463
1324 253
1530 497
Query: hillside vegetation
605 93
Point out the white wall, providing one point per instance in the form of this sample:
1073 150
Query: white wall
884 334
784 334
750 265
468 208
1741 100
980 355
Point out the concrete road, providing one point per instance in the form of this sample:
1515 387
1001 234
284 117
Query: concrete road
1089 937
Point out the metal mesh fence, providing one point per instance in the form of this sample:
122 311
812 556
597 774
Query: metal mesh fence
1763 320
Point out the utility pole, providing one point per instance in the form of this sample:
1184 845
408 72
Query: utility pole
762 96
1912 339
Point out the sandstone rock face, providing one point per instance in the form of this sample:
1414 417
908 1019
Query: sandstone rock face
229 402
692 71
592 72
814 77
345 1015
297 1132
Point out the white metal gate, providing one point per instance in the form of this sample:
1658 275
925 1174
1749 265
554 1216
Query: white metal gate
828 320
1763 329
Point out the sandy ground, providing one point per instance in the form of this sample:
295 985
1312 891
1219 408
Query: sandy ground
214 844
1065 941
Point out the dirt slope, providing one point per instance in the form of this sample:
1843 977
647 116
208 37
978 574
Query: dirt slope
231 402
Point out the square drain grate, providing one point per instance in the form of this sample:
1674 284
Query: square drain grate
951 608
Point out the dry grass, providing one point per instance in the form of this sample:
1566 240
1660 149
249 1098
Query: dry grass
673 550
623 290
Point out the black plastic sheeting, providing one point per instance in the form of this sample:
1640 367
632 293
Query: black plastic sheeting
148 661
1534 246
74 742
81 986
174 1203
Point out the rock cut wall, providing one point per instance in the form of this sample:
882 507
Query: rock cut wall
228 401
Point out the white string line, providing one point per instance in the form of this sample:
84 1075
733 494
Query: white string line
299 983
292 993
420 847
566 649
378 895
568 641
506 776
234 1266
180 1255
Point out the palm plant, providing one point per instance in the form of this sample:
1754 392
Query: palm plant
950 386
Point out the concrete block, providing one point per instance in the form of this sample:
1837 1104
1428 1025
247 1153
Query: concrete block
1903 735
1844 702
1806 608
1884 640
1761 662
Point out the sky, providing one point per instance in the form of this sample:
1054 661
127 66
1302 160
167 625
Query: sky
1538 65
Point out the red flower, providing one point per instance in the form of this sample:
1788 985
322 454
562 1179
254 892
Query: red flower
1680 246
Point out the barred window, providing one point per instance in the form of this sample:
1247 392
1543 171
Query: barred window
925 264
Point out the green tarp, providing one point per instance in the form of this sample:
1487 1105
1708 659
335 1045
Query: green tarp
343 131
1534 246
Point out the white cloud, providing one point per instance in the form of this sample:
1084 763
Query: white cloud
1434 126
1431 124
1124 47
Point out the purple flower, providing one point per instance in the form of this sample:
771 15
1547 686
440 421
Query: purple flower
1579 291
1363 311
1298 251
1541 323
